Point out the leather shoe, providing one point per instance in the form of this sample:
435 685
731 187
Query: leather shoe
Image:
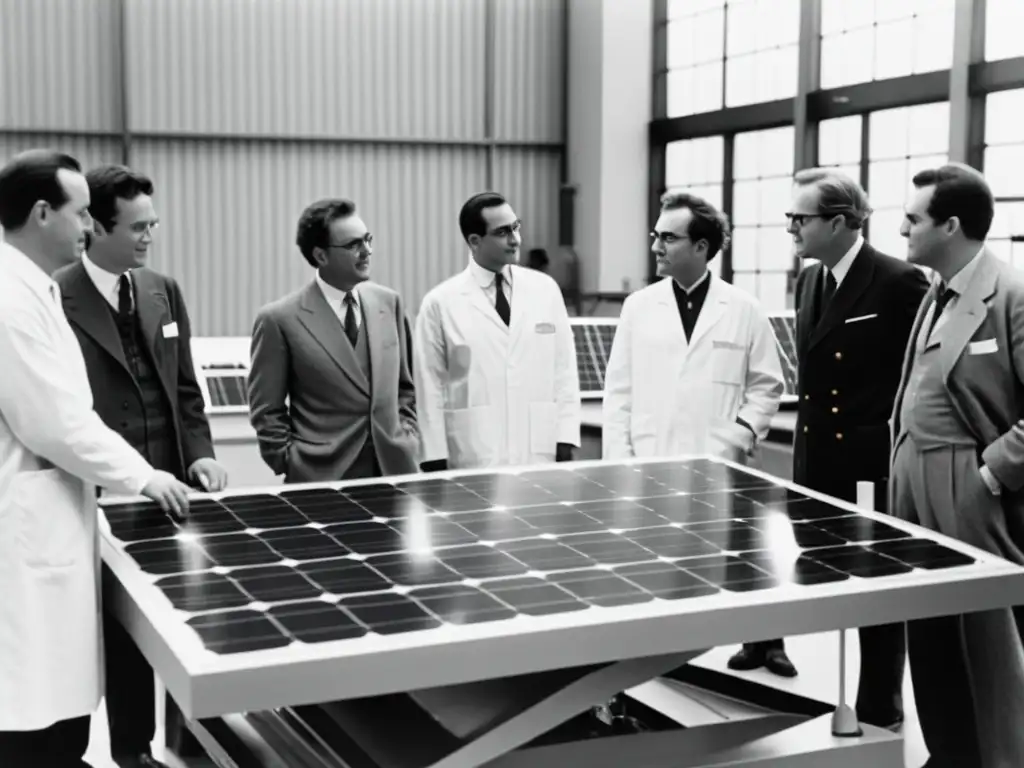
747 658
777 662
893 724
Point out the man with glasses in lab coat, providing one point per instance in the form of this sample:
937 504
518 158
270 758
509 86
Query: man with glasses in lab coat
495 364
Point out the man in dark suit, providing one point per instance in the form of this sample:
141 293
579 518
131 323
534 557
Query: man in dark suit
958 463
854 310
134 332
331 393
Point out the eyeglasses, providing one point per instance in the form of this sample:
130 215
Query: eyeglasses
799 219
508 230
144 227
352 245
668 238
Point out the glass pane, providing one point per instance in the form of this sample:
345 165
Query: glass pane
847 58
933 41
775 249
764 153
1004 20
694 161
695 90
916 164
680 8
745 281
778 23
771 290
708 38
894 55
887 183
928 128
679 37
839 140
744 248
1003 170
889 133
775 195
1003 249
892 10
741 24
776 73
746 204
1003 123
884 232
1000 223
1018 256
741 80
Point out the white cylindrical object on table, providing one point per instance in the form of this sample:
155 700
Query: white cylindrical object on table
866 494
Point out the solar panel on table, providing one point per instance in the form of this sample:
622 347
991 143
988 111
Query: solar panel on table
227 390
265 570
784 328
593 343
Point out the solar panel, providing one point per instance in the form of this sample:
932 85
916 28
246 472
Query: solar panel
592 337
222 370
784 328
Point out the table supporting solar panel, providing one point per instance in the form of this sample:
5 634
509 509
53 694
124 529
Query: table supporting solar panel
547 589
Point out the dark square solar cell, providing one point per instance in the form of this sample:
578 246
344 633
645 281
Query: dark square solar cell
480 562
167 556
317 622
388 613
302 543
231 549
139 522
274 583
324 505
495 526
666 581
345 576
264 511
533 597
544 555
366 538
410 569
206 517
859 529
238 632
858 561
621 514
672 542
196 592
601 588
922 554
609 548
462 604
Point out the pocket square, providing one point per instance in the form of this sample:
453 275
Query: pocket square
171 331
984 347
861 317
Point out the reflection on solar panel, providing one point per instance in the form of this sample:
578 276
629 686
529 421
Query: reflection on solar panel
784 328
263 570
593 339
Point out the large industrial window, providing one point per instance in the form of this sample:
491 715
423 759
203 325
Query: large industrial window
839 144
1004 29
696 56
1004 168
761 50
696 166
761 247
864 40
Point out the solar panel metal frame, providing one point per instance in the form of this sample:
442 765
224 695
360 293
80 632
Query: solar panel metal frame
606 322
206 684
209 352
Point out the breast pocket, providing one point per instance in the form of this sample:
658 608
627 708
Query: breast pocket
48 514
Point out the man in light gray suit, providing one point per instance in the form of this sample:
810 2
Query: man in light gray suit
331 394
958 463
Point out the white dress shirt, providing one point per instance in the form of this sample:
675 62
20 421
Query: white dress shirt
486 280
958 284
106 283
336 301
842 267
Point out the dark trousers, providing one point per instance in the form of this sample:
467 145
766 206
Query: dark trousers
366 464
131 699
62 745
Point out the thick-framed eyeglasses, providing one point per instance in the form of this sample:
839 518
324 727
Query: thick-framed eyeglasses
668 238
352 245
508 230
800 219
143 228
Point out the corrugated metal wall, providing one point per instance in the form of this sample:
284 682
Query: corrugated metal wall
238 109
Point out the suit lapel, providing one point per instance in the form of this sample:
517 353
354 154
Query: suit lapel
321 322
908 357
854 284
808 309
715 304
87 309
374 313
153 308
968 314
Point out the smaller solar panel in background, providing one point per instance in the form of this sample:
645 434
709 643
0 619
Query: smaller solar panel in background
593 348
227 390
784 328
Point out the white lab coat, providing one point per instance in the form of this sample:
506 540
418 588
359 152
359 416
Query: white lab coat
488 395
666 397
53 448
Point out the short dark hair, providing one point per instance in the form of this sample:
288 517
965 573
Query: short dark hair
707 222
110 183
838 195
960 191
314 230
29 177
471 218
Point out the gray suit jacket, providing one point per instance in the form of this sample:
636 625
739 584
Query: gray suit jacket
982 357
309 400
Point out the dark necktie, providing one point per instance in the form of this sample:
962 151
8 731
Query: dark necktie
501 302
124 297
945 294
351 328
828 291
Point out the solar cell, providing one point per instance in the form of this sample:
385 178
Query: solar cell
261 570
784 328
592 338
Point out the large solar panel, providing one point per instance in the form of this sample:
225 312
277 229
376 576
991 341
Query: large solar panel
222 370
593 338
362 573
784 328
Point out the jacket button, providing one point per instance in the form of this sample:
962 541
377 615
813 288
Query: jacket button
839 355
125 405
805 430
839 435
835 392
835 410
807 397
124 425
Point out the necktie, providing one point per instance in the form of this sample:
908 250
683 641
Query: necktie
501 302
124 296
945 294
351 328
828 291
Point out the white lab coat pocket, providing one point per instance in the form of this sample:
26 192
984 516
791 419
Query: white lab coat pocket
468 443
543 428
48 513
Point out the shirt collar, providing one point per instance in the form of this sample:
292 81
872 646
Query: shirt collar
105 282
15 261
700 281
484 277
842 267
959 282
333 295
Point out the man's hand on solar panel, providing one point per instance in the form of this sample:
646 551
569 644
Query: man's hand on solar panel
208 474
169 492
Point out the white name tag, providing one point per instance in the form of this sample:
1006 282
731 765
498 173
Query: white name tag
171 331
986 347
862 317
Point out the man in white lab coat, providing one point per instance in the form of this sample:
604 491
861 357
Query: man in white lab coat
694 366
54 450
495 364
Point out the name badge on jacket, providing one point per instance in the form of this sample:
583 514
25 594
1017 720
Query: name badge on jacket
171 331
723 344
544 328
